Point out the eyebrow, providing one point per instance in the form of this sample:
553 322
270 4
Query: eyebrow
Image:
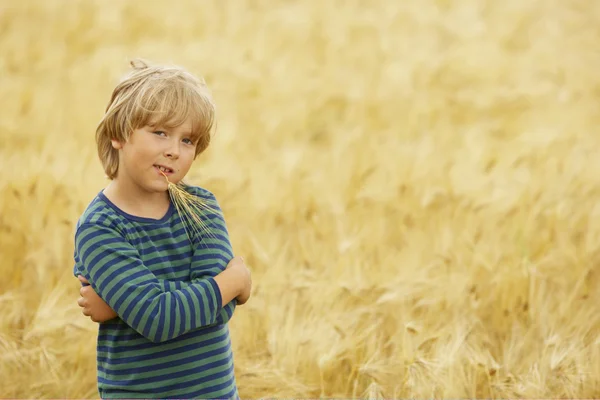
166 127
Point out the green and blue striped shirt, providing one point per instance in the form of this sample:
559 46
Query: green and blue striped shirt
171 338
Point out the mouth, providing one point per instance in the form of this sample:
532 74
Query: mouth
163 170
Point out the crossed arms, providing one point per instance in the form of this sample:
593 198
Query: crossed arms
160 310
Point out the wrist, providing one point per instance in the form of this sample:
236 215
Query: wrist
230 284
238 279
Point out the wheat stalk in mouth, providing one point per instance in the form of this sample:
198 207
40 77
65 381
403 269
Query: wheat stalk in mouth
190 209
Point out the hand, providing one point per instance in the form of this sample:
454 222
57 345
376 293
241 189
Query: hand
93 306
238 264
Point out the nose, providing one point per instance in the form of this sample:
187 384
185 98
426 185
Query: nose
172 152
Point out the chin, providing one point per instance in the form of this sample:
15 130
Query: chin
157 187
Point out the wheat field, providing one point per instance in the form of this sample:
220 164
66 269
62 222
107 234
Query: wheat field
414 186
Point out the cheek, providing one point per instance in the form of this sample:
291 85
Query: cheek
188 157
136 160
185 161
141 154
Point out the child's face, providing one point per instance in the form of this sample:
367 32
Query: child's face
149 148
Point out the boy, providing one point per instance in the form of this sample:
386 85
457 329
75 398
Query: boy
163 300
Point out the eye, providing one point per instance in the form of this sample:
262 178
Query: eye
159 133
189 141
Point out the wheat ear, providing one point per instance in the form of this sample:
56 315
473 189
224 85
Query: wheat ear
190 209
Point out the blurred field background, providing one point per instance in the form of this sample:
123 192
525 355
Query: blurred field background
415 186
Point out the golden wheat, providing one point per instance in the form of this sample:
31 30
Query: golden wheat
191 209
414 185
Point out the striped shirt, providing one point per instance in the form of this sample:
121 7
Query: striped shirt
171 337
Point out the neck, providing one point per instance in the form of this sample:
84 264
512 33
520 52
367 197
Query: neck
136 201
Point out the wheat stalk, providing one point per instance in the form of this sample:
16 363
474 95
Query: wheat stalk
190 209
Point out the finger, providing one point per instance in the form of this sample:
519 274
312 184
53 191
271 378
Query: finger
81 302
235 260
85 291
82 279
86 312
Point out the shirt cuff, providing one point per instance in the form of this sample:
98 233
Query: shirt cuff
217 294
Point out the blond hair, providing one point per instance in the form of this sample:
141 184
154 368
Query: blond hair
154 95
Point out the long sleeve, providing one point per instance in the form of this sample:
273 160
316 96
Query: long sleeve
213 252
117 274
225 313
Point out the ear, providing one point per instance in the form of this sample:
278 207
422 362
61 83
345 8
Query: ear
116 144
